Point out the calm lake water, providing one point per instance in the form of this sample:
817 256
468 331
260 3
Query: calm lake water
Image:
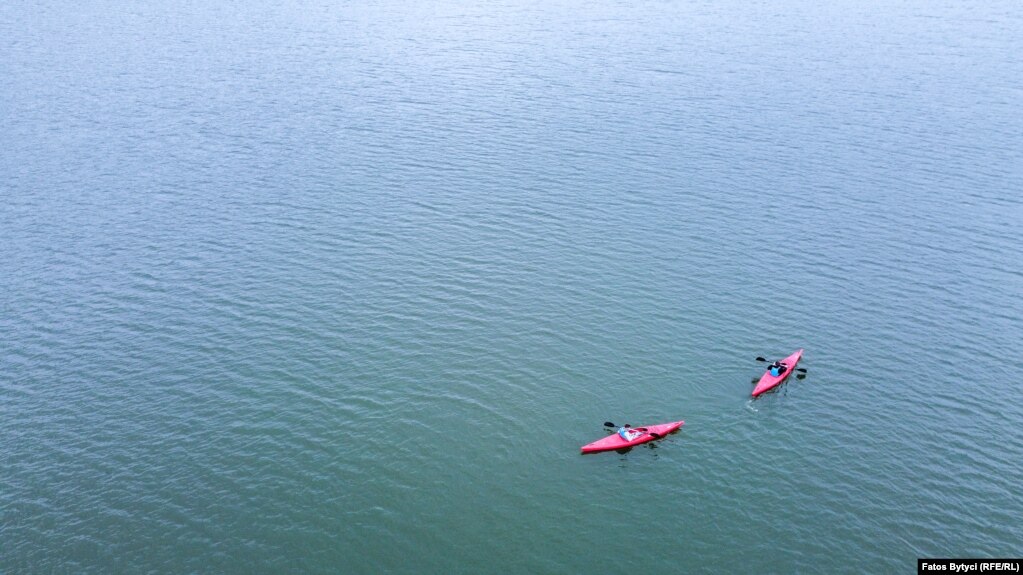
343 287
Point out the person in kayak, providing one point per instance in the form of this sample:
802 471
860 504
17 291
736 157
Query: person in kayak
628 434
777 368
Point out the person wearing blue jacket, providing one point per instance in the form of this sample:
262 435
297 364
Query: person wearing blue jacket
628 434
777 369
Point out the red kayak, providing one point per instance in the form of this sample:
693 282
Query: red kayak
647 433
769 382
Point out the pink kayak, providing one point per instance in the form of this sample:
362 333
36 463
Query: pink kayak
647 433
769 382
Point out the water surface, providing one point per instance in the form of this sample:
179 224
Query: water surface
344 287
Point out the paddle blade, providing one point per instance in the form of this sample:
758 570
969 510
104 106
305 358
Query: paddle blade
609 424
760 358
801 369
800 376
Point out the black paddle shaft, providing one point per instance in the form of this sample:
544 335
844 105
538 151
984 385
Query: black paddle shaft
647 431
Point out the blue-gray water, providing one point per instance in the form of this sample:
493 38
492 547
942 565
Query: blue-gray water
343 287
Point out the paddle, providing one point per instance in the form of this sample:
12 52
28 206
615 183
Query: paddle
644 430
799 369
